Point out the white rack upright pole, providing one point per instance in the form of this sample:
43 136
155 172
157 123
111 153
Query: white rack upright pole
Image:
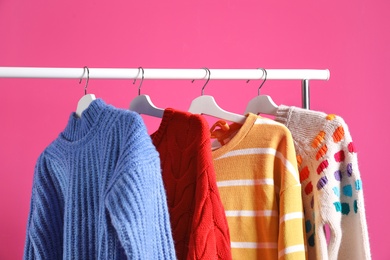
305 94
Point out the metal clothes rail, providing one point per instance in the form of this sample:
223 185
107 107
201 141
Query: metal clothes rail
174 74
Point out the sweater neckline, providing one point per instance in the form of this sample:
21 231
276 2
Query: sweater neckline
237 138
80 130
159 133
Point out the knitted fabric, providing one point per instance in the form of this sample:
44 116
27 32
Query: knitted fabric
198 220
331 184
259 185
97 192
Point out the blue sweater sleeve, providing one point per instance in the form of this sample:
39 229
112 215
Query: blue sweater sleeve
44 227
136 201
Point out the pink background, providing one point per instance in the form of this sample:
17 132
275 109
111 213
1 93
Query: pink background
351 39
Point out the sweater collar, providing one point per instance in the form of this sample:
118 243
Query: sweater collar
80 127
237 137
160 132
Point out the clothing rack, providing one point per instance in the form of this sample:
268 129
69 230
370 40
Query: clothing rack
166 73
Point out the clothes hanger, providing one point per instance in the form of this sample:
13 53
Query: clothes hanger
87 99
142 103
262 104
207 105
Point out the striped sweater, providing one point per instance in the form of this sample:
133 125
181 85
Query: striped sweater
260 190
98 193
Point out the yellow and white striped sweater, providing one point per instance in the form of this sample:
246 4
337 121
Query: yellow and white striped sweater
259 186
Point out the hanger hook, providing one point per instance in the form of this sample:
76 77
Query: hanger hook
208 73
142 79
86 84
262 83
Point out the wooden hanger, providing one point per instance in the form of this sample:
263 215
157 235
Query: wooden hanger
143 104
262 104
207 105
87 99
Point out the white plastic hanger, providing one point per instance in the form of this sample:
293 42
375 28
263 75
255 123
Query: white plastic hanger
262 104
87 99
207 105
143 104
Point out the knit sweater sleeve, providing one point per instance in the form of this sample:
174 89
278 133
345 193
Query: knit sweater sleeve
291 242
136 200
210 232
44 226
355 239
341 199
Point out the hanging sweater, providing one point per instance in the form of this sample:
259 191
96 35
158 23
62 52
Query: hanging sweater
97 192
331 184
198 220
259 185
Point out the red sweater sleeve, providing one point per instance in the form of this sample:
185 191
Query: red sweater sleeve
198 220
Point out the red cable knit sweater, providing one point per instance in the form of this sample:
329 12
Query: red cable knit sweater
198 220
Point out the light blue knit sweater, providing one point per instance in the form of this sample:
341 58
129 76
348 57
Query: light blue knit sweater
98 193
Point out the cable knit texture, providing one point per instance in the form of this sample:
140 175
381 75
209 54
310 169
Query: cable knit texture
198 220
98 193
331 184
